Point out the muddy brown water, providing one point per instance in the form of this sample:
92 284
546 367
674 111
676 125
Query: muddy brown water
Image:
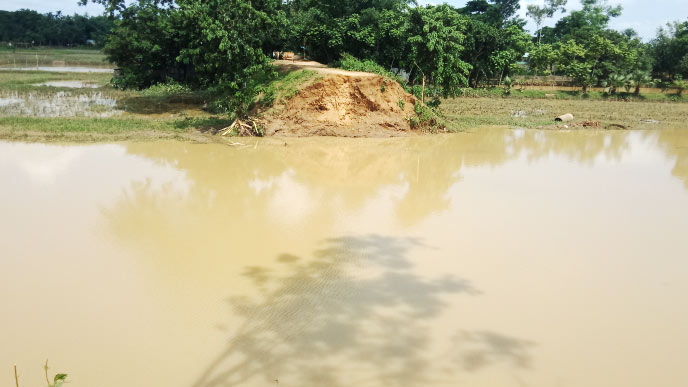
492 258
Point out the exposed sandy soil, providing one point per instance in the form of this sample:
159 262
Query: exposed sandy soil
342 103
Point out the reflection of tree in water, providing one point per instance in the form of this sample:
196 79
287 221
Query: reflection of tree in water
675 144
354 315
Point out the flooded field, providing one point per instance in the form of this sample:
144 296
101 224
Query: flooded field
58 104
494 258
61 69
69 84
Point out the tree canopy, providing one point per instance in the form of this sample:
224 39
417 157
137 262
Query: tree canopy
52 29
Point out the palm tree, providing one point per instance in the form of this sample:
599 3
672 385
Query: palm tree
679 84
617 80
640 78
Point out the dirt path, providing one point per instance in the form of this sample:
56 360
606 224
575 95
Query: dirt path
318 67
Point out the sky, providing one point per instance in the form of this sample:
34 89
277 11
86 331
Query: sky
642 15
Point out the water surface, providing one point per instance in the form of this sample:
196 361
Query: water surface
494 258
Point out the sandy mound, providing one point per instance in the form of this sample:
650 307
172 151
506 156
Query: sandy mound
344 104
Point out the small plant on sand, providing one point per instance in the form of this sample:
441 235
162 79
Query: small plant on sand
58 379
507 85
426 118
401 104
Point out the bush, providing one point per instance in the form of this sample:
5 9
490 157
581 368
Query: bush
166 90
426 118
351 63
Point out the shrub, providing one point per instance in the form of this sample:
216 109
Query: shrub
351 63
166 90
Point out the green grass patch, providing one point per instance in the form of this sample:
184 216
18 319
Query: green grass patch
84 125
285 86
351 63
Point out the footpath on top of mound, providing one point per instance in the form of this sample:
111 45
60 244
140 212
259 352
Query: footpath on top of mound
341 103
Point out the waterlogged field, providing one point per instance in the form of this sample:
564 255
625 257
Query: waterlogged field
487 258
82 106
46 56
44 105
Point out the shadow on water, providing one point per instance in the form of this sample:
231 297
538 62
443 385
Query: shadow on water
354 314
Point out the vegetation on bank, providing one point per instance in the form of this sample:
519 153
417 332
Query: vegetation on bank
173 110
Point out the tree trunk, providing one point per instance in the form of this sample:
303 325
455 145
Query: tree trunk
637 90
422 93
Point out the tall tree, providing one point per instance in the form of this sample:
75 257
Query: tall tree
670 50
435 37
540 13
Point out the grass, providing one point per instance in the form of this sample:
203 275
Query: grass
160 112
572 94
45 56
465 113
25 80
172 111
287 84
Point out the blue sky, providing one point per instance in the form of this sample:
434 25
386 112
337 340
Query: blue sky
642 15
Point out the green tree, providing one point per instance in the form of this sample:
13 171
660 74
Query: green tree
640 78
615 81
435 39
670 50
540 13
541 58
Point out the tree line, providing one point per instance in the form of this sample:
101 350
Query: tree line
224 45
52 29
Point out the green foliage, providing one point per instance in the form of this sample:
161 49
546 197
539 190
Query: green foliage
285 86
435 40
168 89
491 50
616 81
542 58
199 44
58 380
351 63
426 118
26 26
507 85
670 50
540 13
680 85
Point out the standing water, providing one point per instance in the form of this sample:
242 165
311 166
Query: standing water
494 258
